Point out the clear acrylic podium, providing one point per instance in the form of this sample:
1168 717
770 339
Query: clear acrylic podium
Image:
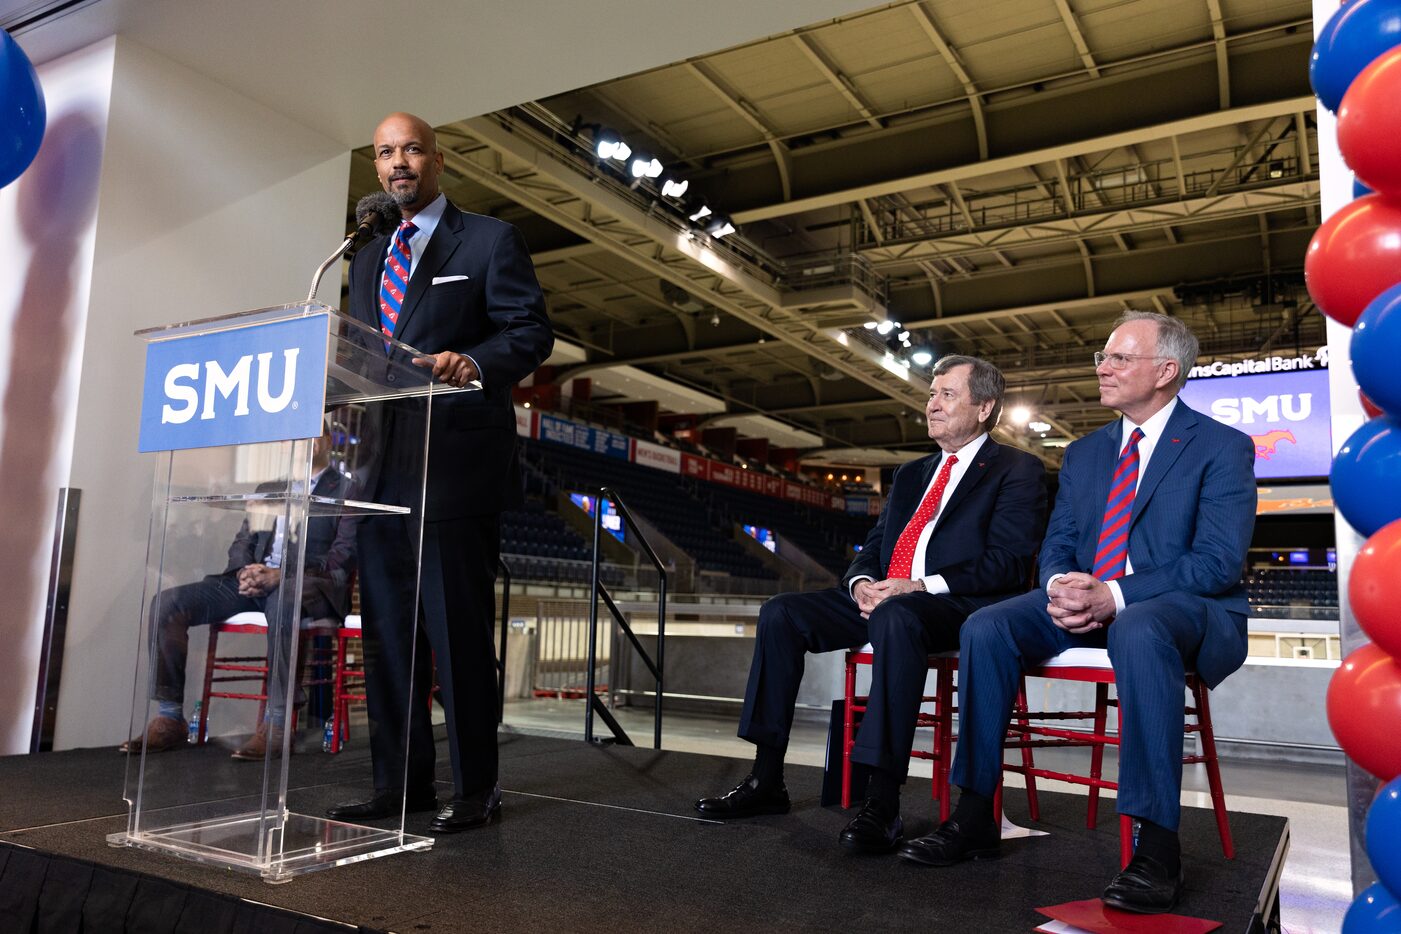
212 510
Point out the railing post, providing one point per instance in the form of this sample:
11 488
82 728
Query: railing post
594 584
505 616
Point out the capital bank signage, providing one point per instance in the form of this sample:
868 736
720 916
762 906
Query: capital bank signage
264 382
1281 402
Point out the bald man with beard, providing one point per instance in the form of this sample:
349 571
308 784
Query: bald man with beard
460 288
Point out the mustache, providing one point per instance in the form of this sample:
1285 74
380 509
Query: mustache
402 176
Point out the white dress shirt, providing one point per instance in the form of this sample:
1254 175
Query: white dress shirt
935 583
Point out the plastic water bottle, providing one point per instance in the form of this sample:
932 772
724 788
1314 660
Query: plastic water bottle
327 735
194 723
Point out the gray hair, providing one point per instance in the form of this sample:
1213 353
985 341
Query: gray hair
985 383
1175 340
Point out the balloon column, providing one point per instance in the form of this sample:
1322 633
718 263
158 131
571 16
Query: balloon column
21 111
1353 270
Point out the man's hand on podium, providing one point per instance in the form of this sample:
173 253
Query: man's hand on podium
451 368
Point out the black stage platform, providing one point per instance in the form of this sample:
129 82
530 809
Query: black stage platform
594 838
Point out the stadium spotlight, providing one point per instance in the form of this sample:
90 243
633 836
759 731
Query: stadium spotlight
719 226
609 145
672 188
645 165
921 357
699 213
1019 415
885 327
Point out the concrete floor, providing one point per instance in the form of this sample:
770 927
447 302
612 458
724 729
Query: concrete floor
1315 891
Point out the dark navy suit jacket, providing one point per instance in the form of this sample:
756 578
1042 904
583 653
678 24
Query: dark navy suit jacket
984 543
1192 520
496 315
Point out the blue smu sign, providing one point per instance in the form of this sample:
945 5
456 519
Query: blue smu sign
243 386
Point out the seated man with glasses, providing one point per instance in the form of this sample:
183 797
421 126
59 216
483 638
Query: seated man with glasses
1144 555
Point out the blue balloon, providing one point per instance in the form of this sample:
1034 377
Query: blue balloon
1374 912
1384 835
1360 190
1376 350
21 111
1365 473
1350 41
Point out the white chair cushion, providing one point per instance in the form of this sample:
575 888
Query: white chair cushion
248 619
352 621
1080 657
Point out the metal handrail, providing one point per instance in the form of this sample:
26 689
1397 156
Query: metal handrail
598 589
505 570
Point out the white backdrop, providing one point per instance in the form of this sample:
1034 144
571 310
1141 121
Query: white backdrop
48 222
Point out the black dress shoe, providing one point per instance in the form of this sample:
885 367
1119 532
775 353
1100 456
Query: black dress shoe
872 831
383 804
467 812
952 843
747 799
1145 887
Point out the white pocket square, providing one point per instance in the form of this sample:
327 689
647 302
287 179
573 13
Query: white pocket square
439 280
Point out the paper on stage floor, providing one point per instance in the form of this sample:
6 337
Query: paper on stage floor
1011 831
1091 916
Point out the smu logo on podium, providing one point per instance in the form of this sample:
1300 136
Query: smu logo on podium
260 383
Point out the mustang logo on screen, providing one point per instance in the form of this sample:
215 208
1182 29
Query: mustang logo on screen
1266 444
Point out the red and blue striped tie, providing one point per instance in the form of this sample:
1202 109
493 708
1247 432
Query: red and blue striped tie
396 279
1113 550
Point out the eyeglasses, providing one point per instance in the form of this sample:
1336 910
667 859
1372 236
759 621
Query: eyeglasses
1118 361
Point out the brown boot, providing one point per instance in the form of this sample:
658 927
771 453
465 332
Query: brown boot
266 740
162 734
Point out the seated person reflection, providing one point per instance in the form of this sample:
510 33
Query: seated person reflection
248 584
959 531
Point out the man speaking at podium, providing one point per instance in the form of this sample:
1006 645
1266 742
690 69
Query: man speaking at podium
461 288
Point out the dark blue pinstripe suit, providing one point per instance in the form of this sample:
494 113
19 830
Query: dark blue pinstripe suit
1185 607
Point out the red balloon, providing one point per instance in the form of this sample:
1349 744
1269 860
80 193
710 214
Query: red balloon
1364 710
1368 406
1369 124
1374 585
1354 257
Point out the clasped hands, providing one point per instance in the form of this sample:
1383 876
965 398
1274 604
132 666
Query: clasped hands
257 580
870 594
454 369
1080 603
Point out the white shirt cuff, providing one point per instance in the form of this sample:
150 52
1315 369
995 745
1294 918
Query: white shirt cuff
851 588
481 378
935 583
1118 596
1052 579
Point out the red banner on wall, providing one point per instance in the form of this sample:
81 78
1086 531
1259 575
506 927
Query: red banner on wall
693 466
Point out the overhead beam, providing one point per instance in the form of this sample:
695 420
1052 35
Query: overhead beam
1208 121
1082 48
951 58
1223 61
840 81
753 117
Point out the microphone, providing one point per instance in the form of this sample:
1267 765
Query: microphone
375 214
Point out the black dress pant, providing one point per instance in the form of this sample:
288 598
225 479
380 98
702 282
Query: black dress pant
174 611
903 630
453 624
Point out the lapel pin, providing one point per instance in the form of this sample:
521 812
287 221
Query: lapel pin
1176 440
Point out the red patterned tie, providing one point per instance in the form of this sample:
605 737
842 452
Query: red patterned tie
902 558
1112 553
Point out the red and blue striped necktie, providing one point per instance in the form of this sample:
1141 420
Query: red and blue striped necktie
1113 551
396 279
